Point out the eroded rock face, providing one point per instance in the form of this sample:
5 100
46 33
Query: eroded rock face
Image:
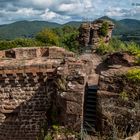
118 103
134 137
90 33
119 58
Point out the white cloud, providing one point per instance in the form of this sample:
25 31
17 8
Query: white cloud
123 12
52 16
115 11
27 12
65 10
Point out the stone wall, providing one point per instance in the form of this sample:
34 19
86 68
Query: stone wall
24 104
34 83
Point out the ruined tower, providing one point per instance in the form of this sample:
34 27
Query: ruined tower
90 34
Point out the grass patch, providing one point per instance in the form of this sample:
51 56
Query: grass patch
133 75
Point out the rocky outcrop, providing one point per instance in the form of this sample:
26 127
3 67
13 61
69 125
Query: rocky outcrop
119 58
90 33
118 103
134 137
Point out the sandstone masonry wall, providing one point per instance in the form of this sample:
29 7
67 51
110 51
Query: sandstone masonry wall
31 85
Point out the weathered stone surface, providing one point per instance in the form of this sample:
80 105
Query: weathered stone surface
90 33
30 91
118 101
134 137
119 58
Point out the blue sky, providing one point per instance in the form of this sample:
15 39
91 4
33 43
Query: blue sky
62 11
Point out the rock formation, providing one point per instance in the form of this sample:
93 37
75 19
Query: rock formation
118 99
90 33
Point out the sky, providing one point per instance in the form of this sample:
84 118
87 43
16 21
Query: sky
62 11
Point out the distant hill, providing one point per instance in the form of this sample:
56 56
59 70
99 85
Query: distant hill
74 23
125 27
24 29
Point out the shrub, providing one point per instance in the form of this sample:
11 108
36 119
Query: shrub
104 29
133 48
124 96
104 48
133 75
117 45
19 42
70 41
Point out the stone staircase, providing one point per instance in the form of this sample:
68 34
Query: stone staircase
90 110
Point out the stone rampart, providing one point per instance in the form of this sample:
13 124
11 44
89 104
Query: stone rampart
31 86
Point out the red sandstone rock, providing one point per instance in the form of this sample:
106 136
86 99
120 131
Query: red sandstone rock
28 91
119 58
90 33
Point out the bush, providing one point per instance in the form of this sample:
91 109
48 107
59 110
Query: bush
19 42
133 75
68 37
133 48
104 29
70 41
117 45
104 48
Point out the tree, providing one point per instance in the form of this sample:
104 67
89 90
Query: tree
48 36
70 41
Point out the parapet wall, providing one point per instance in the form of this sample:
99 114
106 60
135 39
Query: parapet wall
31 81
33 52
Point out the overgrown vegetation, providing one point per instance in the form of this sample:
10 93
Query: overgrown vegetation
117 45
104 29
20 42
133 75
68 37
65 36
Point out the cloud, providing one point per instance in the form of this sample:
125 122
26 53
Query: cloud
118 12
66 10
52 16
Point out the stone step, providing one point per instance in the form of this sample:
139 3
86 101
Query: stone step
91 101
90 110
92 92
91 104
93 87
90 96
89 114
87 126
